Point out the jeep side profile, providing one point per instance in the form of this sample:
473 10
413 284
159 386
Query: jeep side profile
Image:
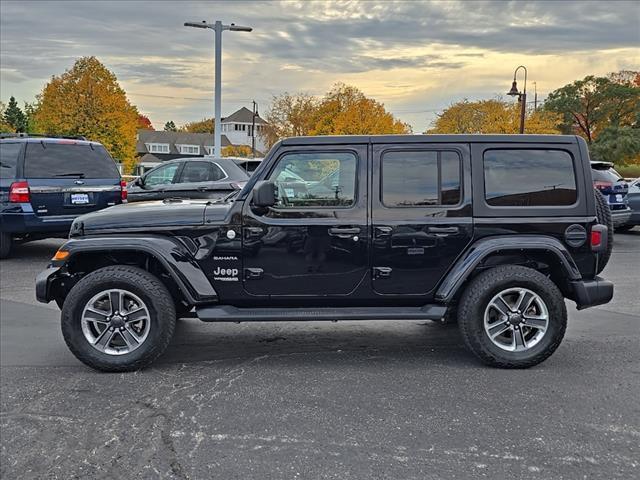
493 232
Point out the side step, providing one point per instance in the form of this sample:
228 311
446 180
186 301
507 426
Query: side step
226 313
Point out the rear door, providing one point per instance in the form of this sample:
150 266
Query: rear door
202 179
70 178
422 218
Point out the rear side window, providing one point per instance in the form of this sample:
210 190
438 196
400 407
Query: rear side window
420 178
606 174
529 178
60 160
201 172
9 153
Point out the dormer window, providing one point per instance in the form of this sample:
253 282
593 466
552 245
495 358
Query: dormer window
157 147
189 149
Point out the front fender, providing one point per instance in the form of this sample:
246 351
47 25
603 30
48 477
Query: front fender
487 246
169 252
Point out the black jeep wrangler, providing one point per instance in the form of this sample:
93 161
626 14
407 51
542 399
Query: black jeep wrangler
490 231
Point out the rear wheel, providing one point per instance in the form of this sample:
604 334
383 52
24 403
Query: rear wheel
5 244
118 318
603 213
512 317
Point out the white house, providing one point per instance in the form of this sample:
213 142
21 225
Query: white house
238 128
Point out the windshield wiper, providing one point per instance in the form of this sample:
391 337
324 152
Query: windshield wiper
70 174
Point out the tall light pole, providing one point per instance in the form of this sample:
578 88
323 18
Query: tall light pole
218 28
522 97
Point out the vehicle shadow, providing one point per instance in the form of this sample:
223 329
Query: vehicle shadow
195 341
34 251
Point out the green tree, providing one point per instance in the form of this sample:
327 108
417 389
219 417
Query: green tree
14 116
4 126
590 105
87 100
616 144
170 126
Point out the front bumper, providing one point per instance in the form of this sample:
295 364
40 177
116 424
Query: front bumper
589 293
44 282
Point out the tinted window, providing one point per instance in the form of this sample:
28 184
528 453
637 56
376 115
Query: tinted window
9 159
420 178
529 178
53 160
315 180
201 172
162 175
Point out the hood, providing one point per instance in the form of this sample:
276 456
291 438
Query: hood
149 215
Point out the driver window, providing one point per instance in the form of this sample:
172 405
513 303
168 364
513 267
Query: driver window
161 176
315 180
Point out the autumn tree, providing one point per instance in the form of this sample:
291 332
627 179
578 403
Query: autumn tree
202 126
14 116
590 105
344 110
170 126
87 100
144 123
493 116
243 151
4 126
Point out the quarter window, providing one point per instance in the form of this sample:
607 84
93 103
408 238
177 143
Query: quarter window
529 178
315 180
9 159
420 178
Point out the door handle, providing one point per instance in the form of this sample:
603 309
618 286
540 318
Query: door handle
382 272
382 232
343 232
252 232
444 229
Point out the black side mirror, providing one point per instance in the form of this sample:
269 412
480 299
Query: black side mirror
264 194
139 182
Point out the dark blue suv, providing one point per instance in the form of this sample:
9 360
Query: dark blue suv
46 182
615 190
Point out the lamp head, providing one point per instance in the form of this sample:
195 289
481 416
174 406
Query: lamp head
237 28
202 24
514 90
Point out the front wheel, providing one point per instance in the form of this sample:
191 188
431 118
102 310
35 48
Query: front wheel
5 244
512 317
118 318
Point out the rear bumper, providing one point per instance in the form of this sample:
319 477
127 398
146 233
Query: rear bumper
24 223
620 217
589 293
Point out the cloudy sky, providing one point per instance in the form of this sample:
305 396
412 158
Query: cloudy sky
415 57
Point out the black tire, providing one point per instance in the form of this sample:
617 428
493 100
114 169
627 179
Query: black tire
148 288
603 213
479 293
5 244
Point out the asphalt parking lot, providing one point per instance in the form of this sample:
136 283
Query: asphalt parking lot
396 400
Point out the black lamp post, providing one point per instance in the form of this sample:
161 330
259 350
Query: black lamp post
522 97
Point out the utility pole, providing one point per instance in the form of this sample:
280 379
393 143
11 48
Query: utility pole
218 28
535 96
253 129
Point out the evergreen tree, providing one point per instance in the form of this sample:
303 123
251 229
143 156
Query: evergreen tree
14 116
170 126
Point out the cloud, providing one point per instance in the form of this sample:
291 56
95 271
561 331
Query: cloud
307 46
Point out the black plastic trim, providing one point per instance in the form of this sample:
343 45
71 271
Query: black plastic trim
589 293
482 248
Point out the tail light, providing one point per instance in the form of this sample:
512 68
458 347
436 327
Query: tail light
602 185
596 238
599 238
123 191
19 192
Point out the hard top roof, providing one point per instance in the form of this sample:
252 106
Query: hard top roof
490 138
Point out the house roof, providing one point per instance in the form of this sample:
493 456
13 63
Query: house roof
176 138
244 115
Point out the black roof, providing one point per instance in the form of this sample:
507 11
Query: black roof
490 138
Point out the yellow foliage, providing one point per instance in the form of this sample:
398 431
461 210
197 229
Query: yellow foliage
493 116
87 100
344 110
243 151
202 126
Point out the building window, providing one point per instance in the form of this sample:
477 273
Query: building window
208 149
158 147
189 149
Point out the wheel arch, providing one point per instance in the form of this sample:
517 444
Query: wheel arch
165 257
520 249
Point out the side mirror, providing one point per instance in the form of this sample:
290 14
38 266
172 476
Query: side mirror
264 194
139 182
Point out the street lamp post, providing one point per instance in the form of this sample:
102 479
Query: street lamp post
218 28
522 97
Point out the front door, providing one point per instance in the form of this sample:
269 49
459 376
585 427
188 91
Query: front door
422 219
314 241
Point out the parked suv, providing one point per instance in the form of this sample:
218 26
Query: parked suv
46 182
614 188
491 231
